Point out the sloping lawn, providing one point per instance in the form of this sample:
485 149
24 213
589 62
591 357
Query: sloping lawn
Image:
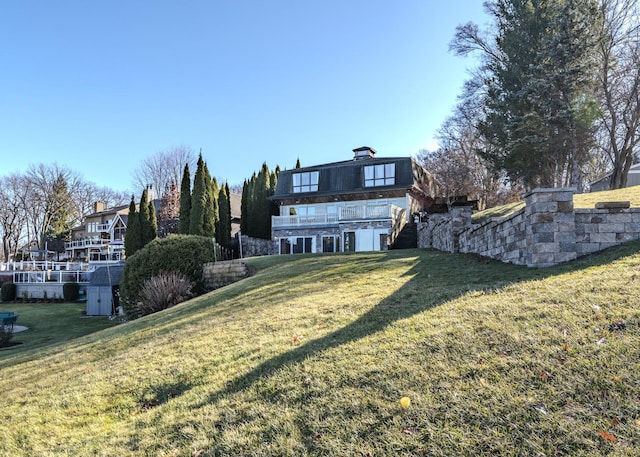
312 355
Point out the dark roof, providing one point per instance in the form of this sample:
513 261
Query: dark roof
347 177
105 276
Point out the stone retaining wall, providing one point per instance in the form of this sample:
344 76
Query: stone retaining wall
220 274
548 231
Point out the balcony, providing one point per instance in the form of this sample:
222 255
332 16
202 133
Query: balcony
351 213
86 243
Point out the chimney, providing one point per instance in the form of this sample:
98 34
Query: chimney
99 207
151 195
364 152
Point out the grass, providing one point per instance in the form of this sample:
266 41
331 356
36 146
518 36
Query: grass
49 324
310 357
587 200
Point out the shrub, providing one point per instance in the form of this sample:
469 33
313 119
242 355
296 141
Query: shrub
6 333
162 292
8 291
177 253
71 291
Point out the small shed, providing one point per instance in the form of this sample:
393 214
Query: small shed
103 290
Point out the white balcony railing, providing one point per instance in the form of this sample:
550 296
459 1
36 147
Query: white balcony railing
103 227
346 213
87 243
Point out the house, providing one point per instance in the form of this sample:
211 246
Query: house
101 236
363 204
633 179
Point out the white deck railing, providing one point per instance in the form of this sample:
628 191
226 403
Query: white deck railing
87 243
346 213
31 277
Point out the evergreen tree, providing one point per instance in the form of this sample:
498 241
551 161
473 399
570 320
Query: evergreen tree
244 202
198 200
152 228
132 237
211 204
223 230
538 100
144 218
185 201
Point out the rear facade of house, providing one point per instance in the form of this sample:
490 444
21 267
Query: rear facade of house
363 204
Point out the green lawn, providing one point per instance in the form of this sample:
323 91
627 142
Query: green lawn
312 355
48 324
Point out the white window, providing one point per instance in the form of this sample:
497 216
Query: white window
380 175
305 182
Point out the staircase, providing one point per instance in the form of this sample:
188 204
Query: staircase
408 237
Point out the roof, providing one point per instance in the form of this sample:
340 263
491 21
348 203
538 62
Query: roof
347 177
634 169
106 276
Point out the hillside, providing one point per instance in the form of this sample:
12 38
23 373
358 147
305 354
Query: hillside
311 356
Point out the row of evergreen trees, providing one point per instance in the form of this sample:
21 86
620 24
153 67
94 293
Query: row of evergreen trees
205 210
142 226
256 207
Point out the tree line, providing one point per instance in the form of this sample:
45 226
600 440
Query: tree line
39 208
554 100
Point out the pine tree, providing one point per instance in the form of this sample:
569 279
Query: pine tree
198 200
185 201
132 237
152 228
144 218
223 230
244 205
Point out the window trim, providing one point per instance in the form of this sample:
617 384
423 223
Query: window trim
382 174
306 181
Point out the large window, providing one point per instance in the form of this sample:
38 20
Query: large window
296 245
305 182
380 175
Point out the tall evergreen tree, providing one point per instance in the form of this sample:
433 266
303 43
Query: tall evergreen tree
198 200
185 201
211 204
223 230
537 92
244 205
147 233
132 237
152 228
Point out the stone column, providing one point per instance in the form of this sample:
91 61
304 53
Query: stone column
551 226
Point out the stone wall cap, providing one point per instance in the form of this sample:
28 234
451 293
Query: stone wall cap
613 205
549 189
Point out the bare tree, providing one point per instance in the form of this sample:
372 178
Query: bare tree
48 197
163 168
12 213
87 194
619 77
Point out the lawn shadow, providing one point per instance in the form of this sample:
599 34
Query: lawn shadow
436 278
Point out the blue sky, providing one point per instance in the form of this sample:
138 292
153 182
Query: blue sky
100 85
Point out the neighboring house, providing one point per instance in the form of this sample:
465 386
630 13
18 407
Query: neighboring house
633 179
361 204
101 236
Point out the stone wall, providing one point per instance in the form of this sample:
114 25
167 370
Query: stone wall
220 274
252 247
548 231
